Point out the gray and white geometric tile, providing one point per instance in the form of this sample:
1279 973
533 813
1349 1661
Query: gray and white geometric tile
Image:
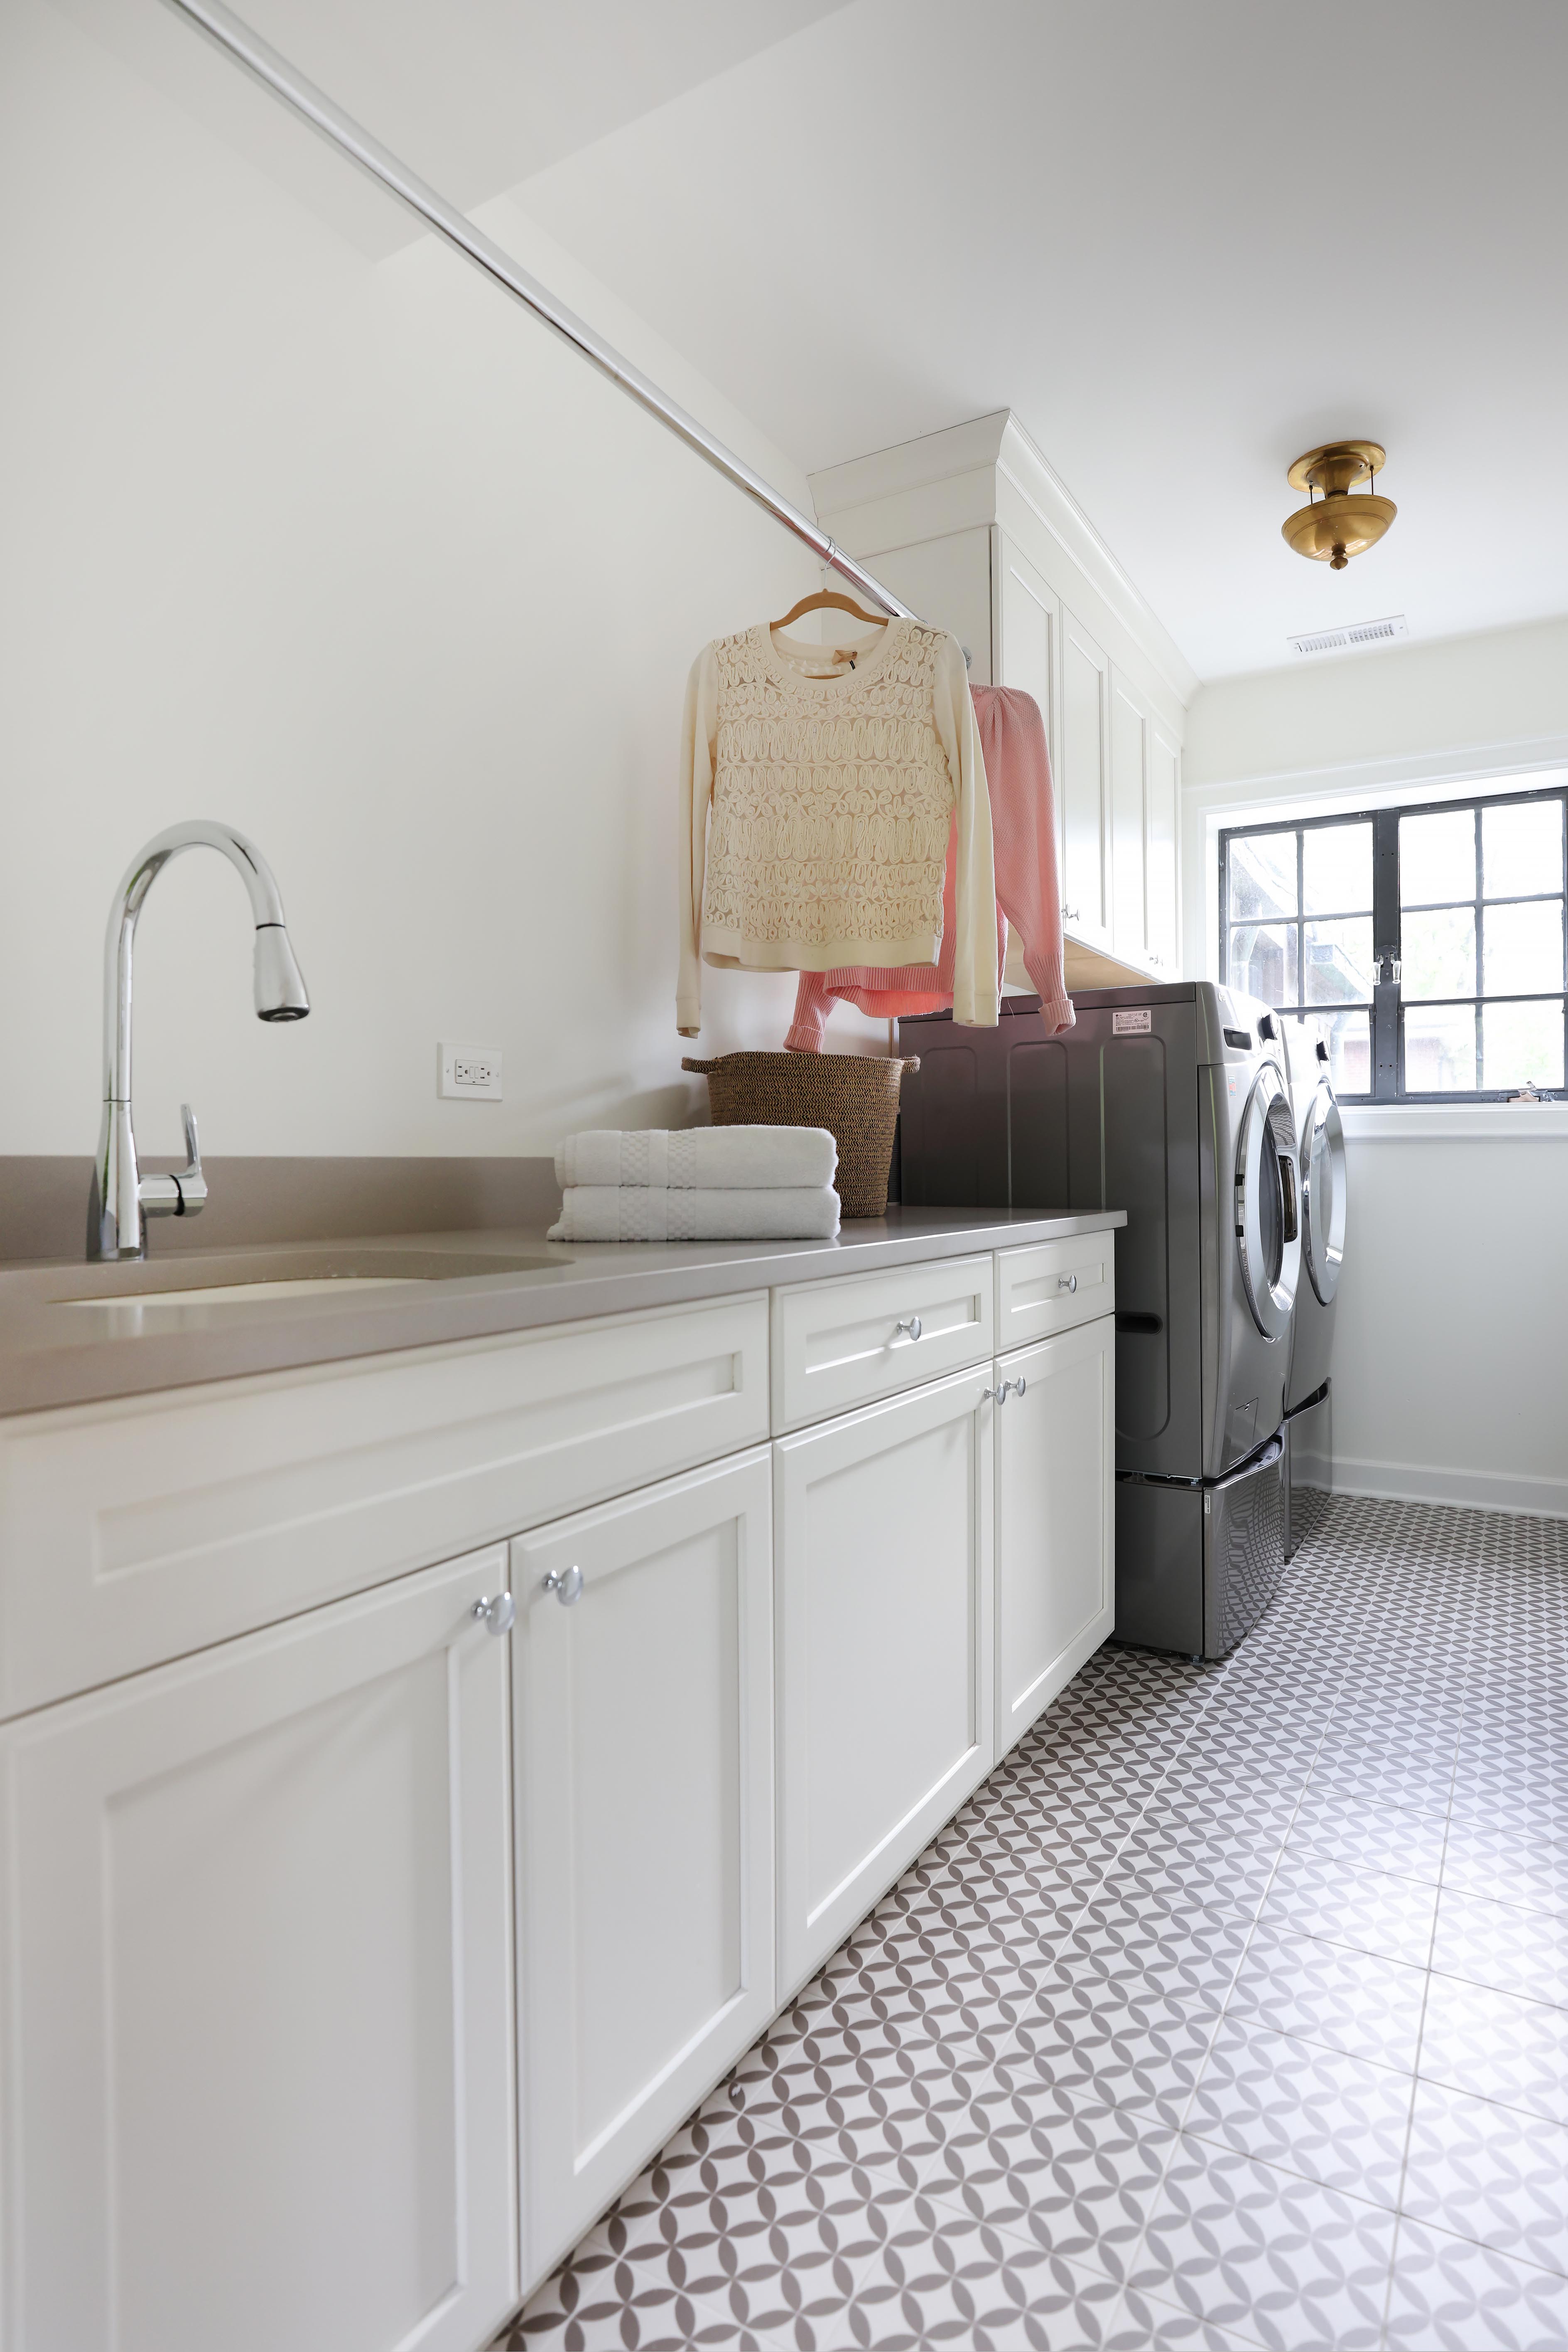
1231 2014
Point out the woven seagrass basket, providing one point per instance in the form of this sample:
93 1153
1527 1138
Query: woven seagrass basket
854 1095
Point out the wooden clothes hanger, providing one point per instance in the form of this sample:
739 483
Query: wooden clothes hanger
823 598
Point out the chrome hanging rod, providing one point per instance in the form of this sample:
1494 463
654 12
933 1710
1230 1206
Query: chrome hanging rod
276 74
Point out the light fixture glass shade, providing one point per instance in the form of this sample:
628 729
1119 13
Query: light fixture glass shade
1333 529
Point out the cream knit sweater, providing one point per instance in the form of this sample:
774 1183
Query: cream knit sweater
819 787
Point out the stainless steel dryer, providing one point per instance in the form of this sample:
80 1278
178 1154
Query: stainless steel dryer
1173 1104
1308 1384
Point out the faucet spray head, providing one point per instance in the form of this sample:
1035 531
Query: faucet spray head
280 993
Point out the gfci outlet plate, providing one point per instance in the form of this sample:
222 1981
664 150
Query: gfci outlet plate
469 1073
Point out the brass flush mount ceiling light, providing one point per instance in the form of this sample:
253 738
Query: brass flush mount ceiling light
1338 521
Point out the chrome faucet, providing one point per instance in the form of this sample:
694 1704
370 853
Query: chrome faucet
123 1198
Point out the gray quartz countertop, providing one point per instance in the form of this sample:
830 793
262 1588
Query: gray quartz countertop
77 1334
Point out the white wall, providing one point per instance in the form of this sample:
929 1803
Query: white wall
362 558
1451 1345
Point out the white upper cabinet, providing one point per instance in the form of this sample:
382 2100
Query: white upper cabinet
644 1806
1165 779
1068 626
259 2076
1028 633
1129 868
1082 780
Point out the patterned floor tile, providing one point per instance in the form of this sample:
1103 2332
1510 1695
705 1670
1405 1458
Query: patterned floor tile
1372 1911
1145 2325
1496 2046
1509 1867
1453 2295
1278 2258
1503 1945
1372 1838
1424 1787
1318 1991
598 2303
1075 2179
943 2277
1490 2173
1335 2119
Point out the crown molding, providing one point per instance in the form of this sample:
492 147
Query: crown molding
974 458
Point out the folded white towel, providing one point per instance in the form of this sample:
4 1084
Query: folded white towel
650 1212
692 1158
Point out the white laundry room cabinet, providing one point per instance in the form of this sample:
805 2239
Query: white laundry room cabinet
422 1777
1056 1467
259 2078
645 1826
975 530
884 1613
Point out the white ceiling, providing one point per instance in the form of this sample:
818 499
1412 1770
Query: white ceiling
1183 239
475 94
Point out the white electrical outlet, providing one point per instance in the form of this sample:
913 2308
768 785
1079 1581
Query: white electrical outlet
469 1073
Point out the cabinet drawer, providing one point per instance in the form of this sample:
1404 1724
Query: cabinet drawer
1052 1285
837 1344
137 1531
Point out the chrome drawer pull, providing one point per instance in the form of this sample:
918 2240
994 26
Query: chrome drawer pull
912 1326
496 1616
565 1584
1067 1282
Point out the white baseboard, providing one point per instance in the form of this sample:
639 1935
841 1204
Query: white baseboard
1481 1490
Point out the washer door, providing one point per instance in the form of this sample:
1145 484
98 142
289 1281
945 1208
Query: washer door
1322 1178
1267 1207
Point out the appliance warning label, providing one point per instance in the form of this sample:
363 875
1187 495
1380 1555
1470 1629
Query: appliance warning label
1138 1023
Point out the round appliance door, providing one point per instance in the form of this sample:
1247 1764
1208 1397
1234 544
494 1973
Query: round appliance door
1268 1205
1322 1178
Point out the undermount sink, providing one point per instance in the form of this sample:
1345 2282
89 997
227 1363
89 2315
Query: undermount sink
142 1287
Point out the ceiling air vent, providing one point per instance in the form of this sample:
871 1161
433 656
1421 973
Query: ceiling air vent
1358 633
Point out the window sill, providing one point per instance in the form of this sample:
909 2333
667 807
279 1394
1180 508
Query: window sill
1455 1122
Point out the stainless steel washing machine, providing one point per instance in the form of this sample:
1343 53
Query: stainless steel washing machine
1173 1104
1308 1469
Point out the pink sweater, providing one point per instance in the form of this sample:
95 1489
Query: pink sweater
1024 844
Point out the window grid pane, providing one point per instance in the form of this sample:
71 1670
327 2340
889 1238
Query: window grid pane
1478 918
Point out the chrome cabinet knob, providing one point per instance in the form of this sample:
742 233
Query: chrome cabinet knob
1067 1282
999 1396
565 1584
1019 1385
912 1326
497 1615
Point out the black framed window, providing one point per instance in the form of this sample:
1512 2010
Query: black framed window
1428 942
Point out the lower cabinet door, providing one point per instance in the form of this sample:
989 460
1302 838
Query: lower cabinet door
645 1796
1056 1455
258 2075
884 1613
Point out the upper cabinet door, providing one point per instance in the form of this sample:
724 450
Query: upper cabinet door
1161 874
645 1788
1081 780
1028 634
1129 759
259 2074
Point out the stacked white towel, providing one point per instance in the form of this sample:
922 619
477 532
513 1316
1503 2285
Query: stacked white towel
698 1184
